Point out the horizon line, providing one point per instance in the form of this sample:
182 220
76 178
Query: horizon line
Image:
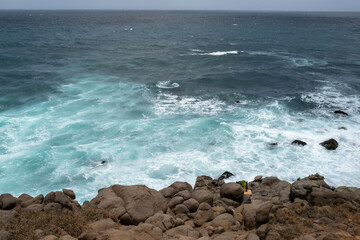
199 10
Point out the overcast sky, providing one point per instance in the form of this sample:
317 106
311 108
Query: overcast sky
277 5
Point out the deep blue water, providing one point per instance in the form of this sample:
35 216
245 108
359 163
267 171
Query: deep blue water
154 95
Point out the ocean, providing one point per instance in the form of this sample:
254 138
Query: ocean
94 98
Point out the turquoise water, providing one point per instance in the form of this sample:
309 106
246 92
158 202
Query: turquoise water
153 94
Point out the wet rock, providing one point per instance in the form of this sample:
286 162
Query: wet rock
232 191
191 204
341 112
162 221
342 128
140 201
70 193
225 175
330 144
8 201
101 225
202 196
299 142
274 144
180 186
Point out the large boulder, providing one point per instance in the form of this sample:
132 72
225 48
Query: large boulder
102 225
140 201
300 189
202 196
180 186
204 214
70 193
223 220
8 201
209 184
330 144
163 221
298 142
232 191
268 189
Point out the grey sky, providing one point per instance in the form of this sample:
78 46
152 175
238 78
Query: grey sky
291 5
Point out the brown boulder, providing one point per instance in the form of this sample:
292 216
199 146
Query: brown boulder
262 213
8 201
180 186
102 225
163 221
140 201
203 214
232 191
168 192
191 204
202 196
175 201
70 193
223 220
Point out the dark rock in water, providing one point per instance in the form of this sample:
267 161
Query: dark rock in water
103 162
298 142
330 144
225 175
341 112
274 144
237 101
342 128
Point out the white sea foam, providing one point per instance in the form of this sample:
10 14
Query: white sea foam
296 61
167 85
61 142
218 53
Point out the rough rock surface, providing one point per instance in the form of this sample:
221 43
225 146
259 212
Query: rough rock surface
304 210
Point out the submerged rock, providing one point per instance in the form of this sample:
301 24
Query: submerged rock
341 112
299 142
225 175
330 144
342 128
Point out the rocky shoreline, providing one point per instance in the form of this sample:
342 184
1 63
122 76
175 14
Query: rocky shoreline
211 209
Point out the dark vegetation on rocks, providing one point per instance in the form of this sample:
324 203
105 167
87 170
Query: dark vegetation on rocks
306 209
